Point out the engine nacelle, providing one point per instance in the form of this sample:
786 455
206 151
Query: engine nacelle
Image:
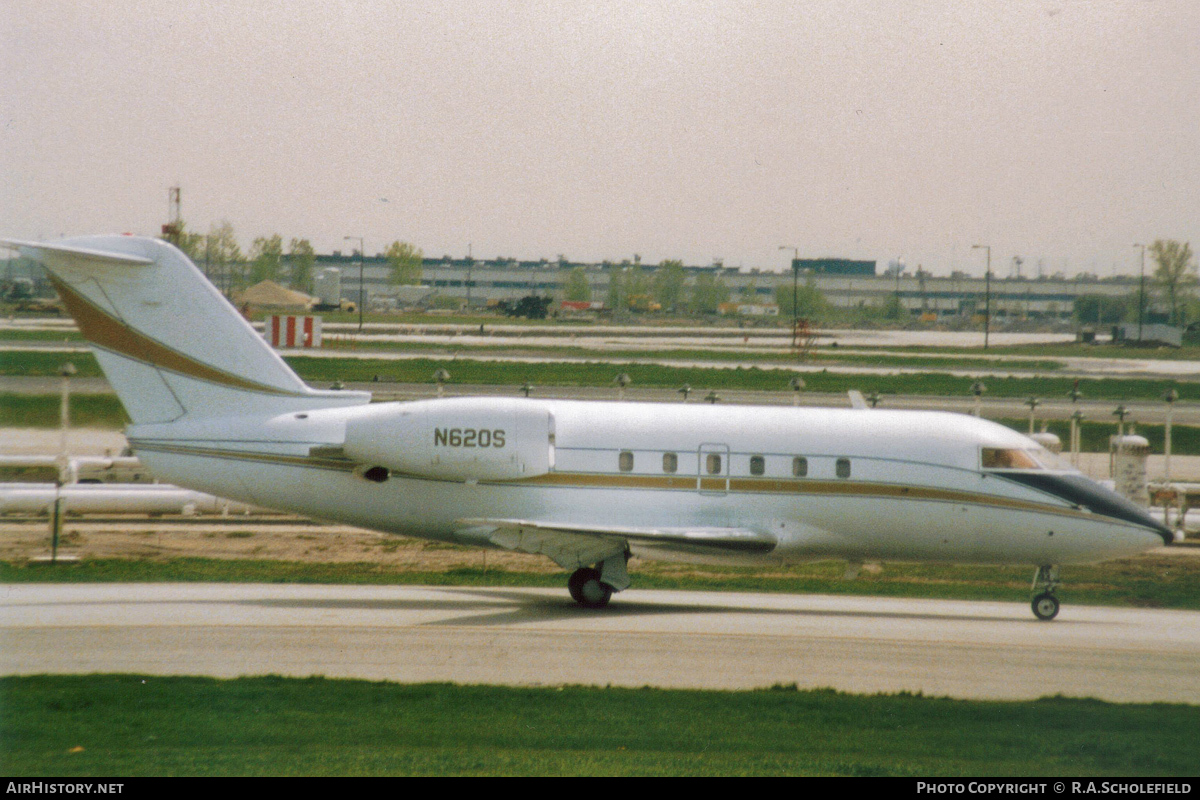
458 439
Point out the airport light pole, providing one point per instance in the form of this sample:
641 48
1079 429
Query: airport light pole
987 292
470 264
977 389
622 381
797 384
1141 293
440 377
362 254
1076 418
795 289
1170 397
1076 436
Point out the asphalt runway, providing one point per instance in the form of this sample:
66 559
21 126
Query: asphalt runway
645 638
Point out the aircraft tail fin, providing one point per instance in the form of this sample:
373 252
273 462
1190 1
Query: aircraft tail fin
169 343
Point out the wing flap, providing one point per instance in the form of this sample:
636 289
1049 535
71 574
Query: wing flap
573 545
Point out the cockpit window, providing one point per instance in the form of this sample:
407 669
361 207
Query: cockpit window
1010 458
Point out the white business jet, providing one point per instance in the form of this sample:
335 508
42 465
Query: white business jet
587 484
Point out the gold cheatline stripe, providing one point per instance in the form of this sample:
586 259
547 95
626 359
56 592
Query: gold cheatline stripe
776 486
103 330
341 465
676 482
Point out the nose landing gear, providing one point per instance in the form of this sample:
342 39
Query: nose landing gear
1045 604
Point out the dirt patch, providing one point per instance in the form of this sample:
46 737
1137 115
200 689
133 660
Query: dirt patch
291 540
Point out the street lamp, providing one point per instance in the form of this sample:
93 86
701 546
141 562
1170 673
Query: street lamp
795 290
1076 417
622 381
1033 403
470 264
797 384
362 254
977 389
1121 412
1141 293
440 376
1170 397
987 296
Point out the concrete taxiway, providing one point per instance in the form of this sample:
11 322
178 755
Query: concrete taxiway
645 638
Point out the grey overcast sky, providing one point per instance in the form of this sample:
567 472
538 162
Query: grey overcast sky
1062 131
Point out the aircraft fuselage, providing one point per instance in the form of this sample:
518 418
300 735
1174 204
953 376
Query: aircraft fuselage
822 483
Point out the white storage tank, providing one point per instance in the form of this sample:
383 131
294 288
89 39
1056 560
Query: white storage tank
327 286
1128 456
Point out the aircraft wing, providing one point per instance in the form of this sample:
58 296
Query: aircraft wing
572 545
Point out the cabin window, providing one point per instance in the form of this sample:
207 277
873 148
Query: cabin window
1008 458
625 461
670 462
712 463
758 465
842 468
799 467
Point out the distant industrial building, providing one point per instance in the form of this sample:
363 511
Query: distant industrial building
833 266
845 283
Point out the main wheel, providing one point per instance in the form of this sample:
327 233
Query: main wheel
1045 606
587 589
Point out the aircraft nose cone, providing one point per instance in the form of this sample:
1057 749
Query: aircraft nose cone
1088 494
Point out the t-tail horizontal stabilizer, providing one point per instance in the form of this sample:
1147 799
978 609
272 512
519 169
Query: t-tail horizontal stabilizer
169 343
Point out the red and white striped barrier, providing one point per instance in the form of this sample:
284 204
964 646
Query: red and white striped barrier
290 330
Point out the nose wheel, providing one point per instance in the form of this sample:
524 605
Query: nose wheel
588 590
1045 604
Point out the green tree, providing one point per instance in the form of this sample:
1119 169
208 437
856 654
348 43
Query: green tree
191 244
617 292
1176 274
1100 309
811 304
266 259
893 308
749 293
222 254
405 263
637 282
708 292
578 289
669 280
301 257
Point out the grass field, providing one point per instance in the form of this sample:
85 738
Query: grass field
701 379
1144 582
131 725
42 411
830 358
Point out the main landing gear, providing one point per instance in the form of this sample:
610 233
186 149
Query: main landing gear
593 587
1045 604
588 590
